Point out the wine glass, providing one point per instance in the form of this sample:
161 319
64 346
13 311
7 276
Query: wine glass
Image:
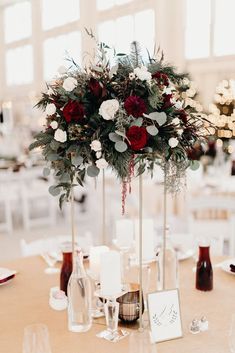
36 339
231 335
51 259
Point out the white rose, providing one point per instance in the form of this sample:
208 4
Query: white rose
54 124
98 154
60 135
180 131
176 121
101 163
62 70
142 73
50 109
69 84
173 142
108 109
95 145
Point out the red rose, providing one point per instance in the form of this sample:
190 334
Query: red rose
161 78
73 111
183 116
135 106
167 101
137 137
95 87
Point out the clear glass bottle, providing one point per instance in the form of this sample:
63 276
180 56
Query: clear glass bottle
169 279
79 297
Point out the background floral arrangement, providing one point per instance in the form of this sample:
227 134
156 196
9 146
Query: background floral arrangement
117 116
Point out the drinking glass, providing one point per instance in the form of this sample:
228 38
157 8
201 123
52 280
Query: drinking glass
36 339
231 335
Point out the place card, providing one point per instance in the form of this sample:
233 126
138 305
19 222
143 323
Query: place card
164 315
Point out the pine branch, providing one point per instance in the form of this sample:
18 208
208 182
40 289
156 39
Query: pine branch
135 54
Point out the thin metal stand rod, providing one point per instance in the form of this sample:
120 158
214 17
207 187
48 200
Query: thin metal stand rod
140 249
72 222
164 232
103 209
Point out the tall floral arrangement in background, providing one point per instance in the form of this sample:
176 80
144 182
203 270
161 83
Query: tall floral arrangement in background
115 116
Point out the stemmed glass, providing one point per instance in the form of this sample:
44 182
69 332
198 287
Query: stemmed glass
36 339
231 335
51 260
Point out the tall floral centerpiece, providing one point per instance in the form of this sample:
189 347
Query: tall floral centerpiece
115 116
130 113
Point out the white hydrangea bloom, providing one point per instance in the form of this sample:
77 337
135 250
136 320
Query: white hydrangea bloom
101 163
95 145
173 142
50 109
54 124
60 135
98 154
142 73
69 84
109 108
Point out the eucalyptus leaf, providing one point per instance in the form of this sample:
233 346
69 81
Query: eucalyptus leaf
194 165
54 145
152 130
77 160
120 146
46 172
92 171
114 137
53 157
120 133
54 191
160 117
65 178
137 122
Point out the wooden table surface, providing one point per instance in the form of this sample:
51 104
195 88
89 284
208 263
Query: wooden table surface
25 301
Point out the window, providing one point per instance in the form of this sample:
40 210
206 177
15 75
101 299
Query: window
56 50
107 4
19 65
209 28
197 36
224 43
121 32
17 21
58 13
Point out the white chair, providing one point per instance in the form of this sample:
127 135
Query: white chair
213 217
38 206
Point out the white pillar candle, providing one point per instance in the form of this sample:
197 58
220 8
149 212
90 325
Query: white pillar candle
124 233
95 255
147 239
110 273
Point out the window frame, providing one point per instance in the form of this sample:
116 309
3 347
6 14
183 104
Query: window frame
211 58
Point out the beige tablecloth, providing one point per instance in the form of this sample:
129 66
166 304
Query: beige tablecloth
25 301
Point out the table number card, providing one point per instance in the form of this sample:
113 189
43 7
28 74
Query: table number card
164 315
